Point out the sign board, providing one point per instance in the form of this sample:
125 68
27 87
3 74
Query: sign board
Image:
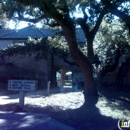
22 85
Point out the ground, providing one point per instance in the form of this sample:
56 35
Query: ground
70 108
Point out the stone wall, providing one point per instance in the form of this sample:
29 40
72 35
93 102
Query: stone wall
24 67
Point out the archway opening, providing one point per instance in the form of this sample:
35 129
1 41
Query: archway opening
68 79
64 80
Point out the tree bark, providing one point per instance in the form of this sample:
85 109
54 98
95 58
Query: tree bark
90 87
83 61
90 49
89 36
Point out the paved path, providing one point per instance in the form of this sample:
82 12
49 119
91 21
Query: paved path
29 121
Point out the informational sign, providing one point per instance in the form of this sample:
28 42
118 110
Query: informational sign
22 85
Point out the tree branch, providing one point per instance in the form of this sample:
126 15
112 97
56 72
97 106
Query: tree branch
55 24
85 15
83 24
69 62
26 2
52 12
98 23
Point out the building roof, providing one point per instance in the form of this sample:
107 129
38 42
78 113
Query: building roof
34 32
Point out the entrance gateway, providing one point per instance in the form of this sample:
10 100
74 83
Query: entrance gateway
22 86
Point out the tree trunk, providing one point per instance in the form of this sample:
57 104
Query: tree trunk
83 61
90 51
90 87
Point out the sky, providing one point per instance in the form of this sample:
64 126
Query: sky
11 25
20 25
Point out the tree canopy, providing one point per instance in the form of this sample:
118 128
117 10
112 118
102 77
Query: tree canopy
64 13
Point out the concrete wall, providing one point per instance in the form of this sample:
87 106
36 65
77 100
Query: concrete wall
24 67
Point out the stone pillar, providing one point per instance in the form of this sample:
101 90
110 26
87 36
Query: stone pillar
63 72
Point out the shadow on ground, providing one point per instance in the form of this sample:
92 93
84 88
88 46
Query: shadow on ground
87 117
27 121
113 94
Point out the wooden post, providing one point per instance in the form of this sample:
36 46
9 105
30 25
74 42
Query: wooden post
21 99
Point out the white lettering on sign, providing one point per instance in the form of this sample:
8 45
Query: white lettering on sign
22 85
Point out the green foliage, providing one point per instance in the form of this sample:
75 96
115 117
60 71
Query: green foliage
61 9
39 47
111 36
59 46
59 42
32 9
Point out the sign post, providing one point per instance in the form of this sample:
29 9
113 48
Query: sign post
21 99
22 86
